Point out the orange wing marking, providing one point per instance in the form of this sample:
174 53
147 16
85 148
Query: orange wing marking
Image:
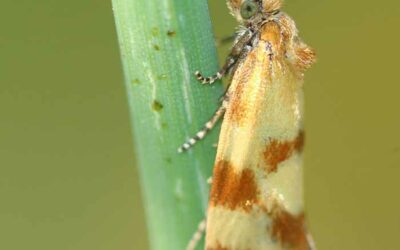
233 189
278 151
218 247
288 229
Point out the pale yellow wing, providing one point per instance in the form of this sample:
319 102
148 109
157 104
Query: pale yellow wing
256 198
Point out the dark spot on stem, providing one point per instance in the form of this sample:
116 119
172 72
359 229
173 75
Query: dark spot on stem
155 31
156 47
135 81
157 106
171 33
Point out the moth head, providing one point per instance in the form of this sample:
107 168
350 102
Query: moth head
245 10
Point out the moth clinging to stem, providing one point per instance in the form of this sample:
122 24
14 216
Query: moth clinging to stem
256 198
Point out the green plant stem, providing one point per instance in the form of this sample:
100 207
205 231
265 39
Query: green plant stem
162 43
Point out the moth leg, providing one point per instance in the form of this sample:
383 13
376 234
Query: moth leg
211 79
201 228
203 132
242 39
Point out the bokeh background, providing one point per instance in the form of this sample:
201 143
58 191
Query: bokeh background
67 174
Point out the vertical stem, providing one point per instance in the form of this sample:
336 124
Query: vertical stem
162 43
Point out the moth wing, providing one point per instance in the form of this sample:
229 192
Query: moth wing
256 195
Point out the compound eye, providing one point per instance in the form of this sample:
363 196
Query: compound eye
248 9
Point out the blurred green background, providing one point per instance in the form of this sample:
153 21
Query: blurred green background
67 175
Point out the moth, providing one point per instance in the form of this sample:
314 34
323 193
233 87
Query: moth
256 198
